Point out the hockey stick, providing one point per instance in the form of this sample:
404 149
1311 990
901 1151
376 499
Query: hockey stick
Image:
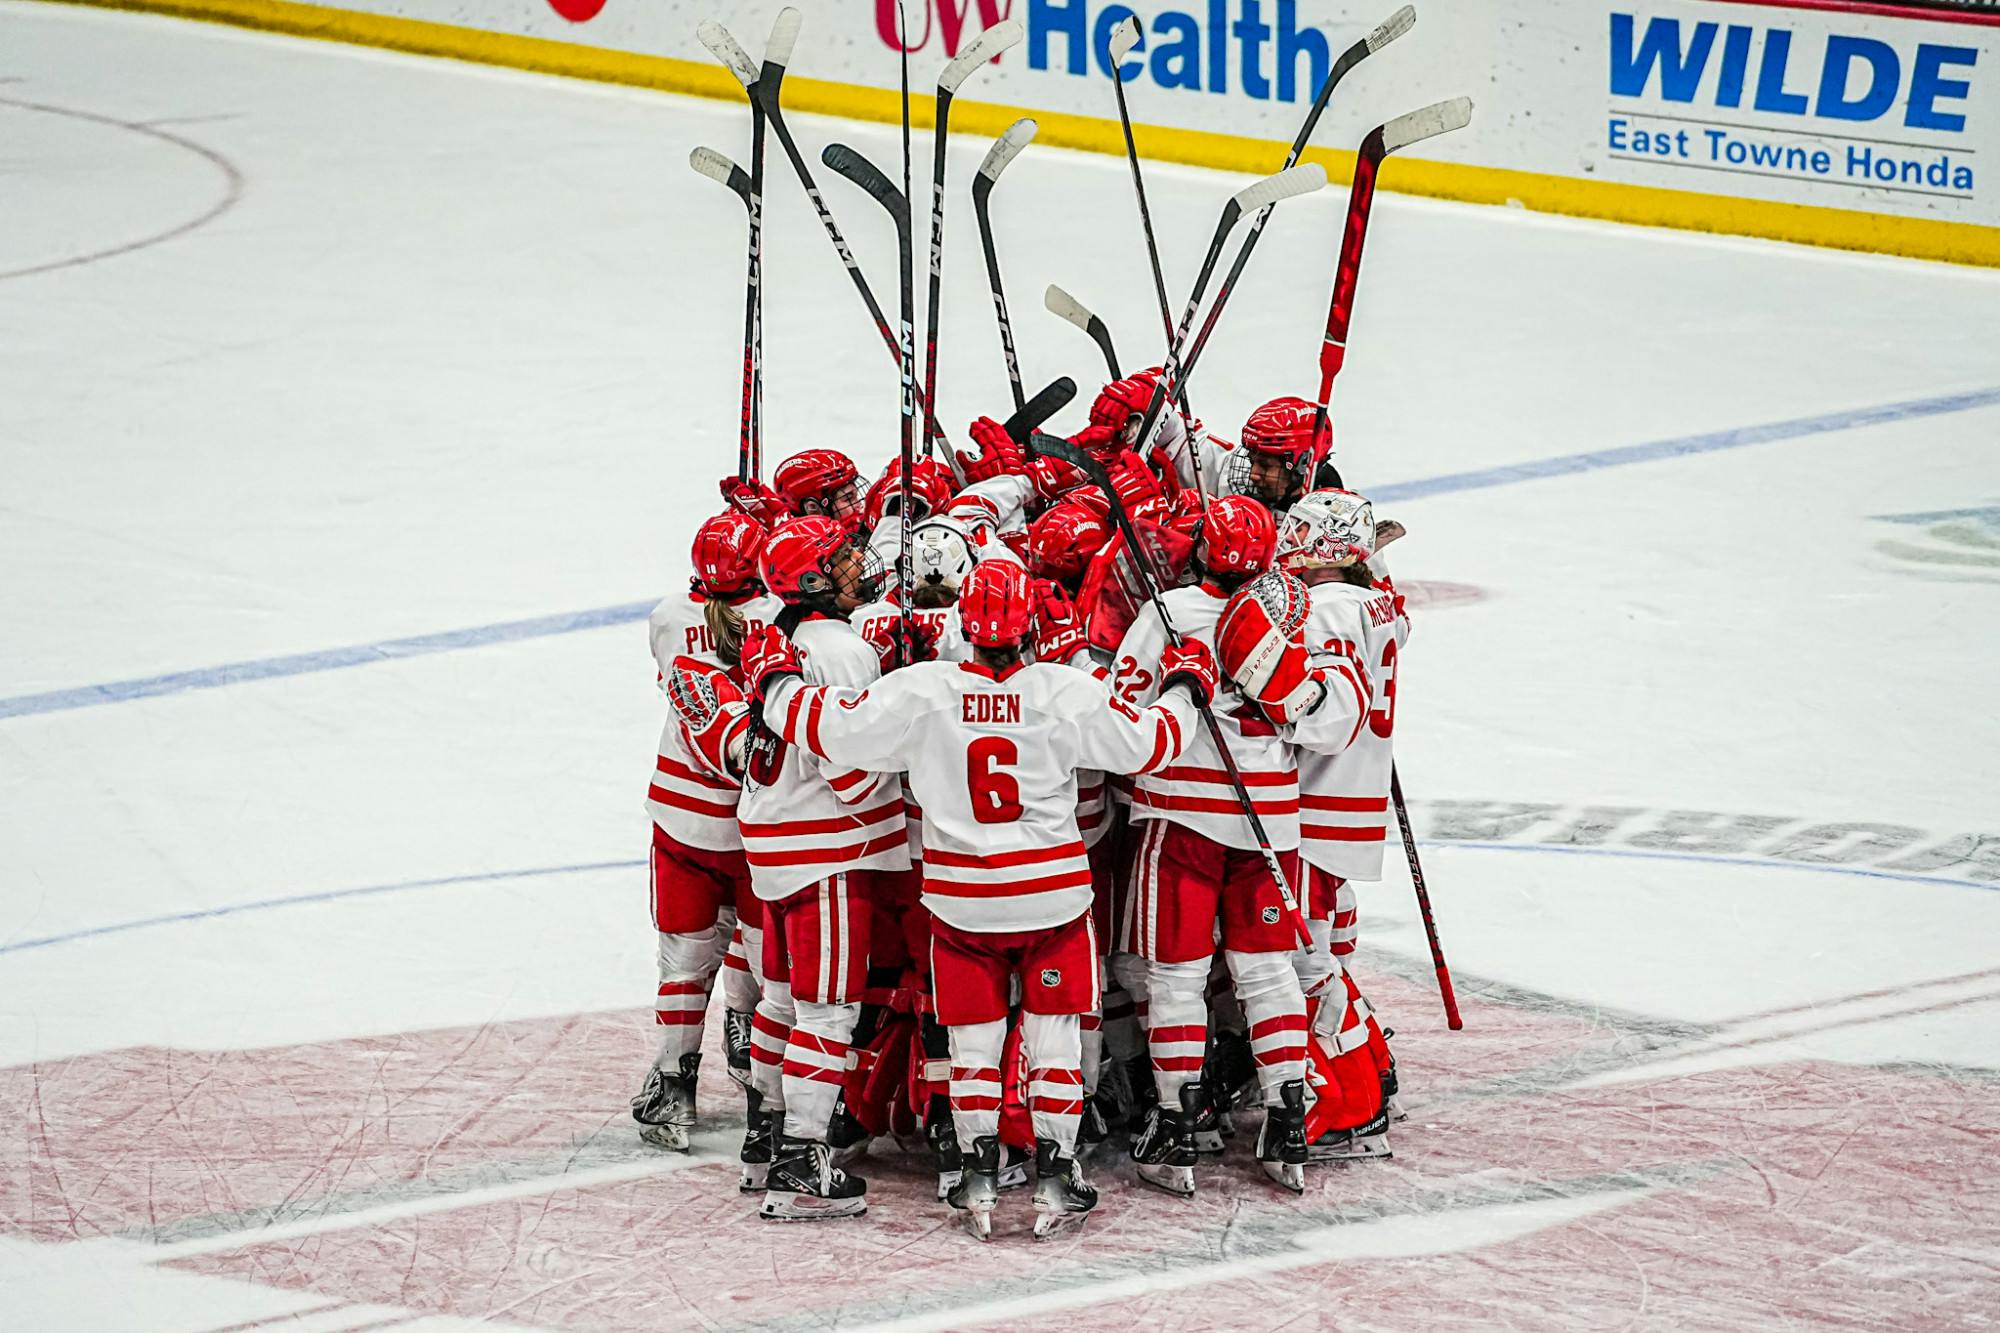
1384 139
1004 150
716 167
1029 416
1124 37
1067 307
1386 32
990 43
1451 1018
1064 451
764 86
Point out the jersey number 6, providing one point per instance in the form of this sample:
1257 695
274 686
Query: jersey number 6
996 796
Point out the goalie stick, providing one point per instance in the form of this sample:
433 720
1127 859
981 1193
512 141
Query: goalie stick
989 44
716 167
1124 37
1061 304
1064 451
764 86
1004 150
1384 33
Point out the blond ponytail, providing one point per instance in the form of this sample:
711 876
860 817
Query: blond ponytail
726 628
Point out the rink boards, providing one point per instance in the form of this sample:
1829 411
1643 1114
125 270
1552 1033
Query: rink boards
1816 121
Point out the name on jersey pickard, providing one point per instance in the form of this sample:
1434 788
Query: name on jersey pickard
1792 839
1833 107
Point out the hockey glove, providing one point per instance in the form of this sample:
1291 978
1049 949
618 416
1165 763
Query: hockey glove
999 453
922 646
755 499
1059 630
1190 664
767 655
1261 642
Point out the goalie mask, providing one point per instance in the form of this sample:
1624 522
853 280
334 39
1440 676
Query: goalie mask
1326 530
940 555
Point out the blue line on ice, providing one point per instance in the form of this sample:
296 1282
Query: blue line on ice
544 872
479 636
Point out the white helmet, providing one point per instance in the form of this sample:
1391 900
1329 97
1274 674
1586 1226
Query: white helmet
940 555
1325 529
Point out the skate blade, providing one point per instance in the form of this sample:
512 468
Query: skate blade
671 1137
1056 1222
1374 1148
978 1223
808 1208
1290 1175
1176 1180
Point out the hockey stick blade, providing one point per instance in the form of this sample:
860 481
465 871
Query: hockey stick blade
728 50
1028 418
784 36
988 45
1062 304
1396 25
709 163
1286 184
1426 122
1004 150
839 158
1124 37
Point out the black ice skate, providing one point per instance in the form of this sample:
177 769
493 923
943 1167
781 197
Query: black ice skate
845 1135
1164 1150
1281 1141
1390 1102
942 1135
1062 1196
978 1187
805 1186
1368 1143
736 1045
664 1107
760 1139
1092 1129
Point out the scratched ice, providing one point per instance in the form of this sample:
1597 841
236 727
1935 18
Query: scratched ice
353 406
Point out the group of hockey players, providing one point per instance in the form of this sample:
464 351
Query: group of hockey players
961 846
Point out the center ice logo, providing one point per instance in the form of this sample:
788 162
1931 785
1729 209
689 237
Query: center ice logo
1952 543
1866 112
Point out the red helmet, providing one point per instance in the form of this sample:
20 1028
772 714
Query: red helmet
930 491
1280 432
819 477
1062 541
996 605
801 557
726 548
1237 537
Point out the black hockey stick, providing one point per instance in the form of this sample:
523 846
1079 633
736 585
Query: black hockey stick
989 44
1029 416
1123 38
1386 32
764 86
1384 139
1004 150
1450 997
1061 304
716 167
1064 451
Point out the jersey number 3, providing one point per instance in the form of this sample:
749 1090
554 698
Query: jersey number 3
996 795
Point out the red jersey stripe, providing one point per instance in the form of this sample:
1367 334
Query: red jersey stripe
999 860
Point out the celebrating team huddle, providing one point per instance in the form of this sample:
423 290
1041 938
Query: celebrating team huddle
1045 842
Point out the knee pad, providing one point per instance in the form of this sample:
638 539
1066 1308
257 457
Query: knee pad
693 956
834 1022
1261 975
1128 971
1178 985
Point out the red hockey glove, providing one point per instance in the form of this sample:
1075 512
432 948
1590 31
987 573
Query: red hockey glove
999 454
1190 664
1261 641
710 708
922 647
1059 632
767 655
755 499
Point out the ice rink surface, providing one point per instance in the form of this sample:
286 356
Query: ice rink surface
353 408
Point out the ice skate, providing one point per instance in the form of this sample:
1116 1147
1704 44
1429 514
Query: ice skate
760 1133
1212 1126
1281 1140
736 1045
664 1106
978 1188
1164 1150
1367 1143
1092 1129
1062 1196
1391 1103
805 1186
847 1137
942 1136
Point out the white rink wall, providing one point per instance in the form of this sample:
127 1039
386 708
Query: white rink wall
1822 121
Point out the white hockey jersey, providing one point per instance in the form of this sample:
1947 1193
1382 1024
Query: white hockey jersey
876 623
691 802
994 761
1345 793
804 818
1196 791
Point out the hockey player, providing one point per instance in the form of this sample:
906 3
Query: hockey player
991 747
820 481
1196 861
701 886
1329 540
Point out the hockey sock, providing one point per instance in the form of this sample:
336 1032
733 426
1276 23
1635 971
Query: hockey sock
816 1065
739 985
687 965
1269 991
975 1079
1178 1035
1091 1028
1055 1082
770 1030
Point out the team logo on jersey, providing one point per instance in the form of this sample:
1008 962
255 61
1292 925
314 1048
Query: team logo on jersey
1270 916
1051 977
